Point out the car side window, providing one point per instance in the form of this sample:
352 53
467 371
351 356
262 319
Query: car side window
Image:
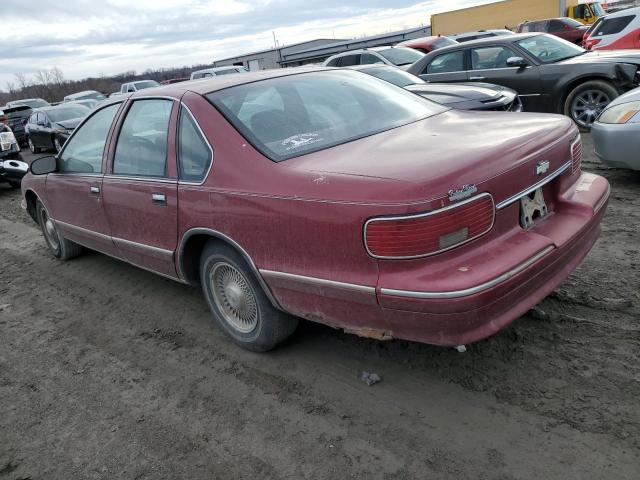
446 63
368 59
83 151
555 26
349 60
194 155
487 58
333 62
142 142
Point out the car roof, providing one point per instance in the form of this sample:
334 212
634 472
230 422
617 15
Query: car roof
218 69
624 13
482 41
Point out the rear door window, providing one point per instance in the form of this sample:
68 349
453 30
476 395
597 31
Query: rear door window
487 58
447 63
142 143
349 60
367 59
612 26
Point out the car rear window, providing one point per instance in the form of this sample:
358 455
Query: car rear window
298 114
611 26
67 113
401 55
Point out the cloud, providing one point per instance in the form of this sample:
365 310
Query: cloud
84 38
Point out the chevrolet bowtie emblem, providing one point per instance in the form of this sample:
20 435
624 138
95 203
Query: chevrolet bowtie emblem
542 167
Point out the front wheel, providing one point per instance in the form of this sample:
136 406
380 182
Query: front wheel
32 147
61 248
587 101
238 302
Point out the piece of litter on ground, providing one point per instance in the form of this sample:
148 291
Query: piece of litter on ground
461 348
370 378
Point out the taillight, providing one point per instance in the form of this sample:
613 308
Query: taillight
576 154
589 43
429 233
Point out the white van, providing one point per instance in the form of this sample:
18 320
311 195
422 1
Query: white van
213 72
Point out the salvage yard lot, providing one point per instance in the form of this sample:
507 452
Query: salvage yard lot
107 371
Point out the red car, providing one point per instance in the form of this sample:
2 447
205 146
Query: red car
563 27
427 44
328 195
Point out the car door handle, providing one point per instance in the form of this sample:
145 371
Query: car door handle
476 78
159 198
94 190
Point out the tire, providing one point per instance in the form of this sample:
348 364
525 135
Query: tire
238 302
61 248
585 103
32 147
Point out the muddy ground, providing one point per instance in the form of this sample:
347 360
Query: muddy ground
109 372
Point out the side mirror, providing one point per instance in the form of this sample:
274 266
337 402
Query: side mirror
516 62
44 165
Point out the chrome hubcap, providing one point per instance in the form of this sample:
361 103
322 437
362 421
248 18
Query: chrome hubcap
234 297
588 106
50 231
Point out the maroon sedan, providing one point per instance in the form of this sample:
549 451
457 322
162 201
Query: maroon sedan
328 195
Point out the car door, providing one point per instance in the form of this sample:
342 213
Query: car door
46 132
74 197
140 187
35 130
446 67
489 64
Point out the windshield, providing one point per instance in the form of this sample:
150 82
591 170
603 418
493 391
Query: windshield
67 113
550 49
441 42
401 55
394 75
298 114
597 9
146 84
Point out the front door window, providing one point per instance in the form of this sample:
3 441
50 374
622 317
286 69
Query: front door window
83 152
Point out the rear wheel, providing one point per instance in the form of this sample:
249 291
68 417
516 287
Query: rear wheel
238 302
32 147
587 101
61 248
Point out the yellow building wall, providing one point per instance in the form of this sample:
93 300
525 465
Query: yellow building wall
506 13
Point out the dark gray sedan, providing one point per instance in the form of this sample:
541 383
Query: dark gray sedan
616 134
462 96
549 74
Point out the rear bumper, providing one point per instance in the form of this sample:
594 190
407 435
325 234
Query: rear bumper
473 311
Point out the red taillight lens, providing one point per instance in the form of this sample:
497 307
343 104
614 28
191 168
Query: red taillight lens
576 154
429 233
589 43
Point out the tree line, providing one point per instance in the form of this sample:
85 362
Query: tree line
53 87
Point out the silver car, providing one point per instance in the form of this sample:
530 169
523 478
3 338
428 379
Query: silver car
616 133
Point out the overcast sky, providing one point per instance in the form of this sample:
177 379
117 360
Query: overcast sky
90 38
